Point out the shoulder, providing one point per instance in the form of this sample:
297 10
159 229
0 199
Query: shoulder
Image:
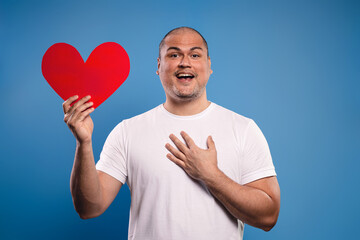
146 116
138 121
229 116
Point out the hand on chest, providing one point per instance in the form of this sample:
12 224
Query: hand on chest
147 159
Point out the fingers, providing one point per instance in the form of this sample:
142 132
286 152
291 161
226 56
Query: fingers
176 160
68 102
175 152
188 139
77 111
181 146
210 143
85 113
81 108
78 103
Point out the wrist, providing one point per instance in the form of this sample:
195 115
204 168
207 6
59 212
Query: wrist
213 177
84 143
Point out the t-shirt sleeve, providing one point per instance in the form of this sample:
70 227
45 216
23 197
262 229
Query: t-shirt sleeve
257 162
113 155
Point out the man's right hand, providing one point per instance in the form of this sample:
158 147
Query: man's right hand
78 119
92 190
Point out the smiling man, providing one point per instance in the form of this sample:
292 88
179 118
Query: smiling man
195 169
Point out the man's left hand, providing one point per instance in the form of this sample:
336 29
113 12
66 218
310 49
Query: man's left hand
256 203
198 163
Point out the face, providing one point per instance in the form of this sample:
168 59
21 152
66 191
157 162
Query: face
184 67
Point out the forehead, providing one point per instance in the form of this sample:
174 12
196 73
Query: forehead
184 39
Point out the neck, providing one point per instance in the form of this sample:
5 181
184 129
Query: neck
187 108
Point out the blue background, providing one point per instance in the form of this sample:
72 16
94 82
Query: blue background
292 66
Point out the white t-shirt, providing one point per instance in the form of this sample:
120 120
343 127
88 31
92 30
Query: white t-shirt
166 203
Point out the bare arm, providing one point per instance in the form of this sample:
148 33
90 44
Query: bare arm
257 203
92 191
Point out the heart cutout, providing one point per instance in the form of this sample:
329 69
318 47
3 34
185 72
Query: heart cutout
100 76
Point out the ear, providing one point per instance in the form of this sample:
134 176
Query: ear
158 66
209 61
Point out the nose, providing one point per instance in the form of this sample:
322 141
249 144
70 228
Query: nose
185 62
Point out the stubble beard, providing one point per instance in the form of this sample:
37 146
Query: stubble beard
185 96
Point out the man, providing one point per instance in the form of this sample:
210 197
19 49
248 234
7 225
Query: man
195 170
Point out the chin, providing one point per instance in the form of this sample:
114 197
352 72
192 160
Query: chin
187 96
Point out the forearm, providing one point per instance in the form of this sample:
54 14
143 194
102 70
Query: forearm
84 182
251 205
256 204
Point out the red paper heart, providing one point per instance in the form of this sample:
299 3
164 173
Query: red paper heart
104 71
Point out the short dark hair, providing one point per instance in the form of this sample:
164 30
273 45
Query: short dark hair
182 28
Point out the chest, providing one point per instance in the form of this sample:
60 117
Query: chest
147 162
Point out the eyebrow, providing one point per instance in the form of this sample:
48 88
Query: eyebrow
196 48
178 49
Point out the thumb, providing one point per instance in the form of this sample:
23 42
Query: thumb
210 143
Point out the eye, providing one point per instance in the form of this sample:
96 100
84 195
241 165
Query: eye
195 55
174 55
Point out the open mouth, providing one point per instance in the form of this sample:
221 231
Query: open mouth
185 76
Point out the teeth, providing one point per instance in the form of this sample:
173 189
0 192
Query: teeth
184 75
